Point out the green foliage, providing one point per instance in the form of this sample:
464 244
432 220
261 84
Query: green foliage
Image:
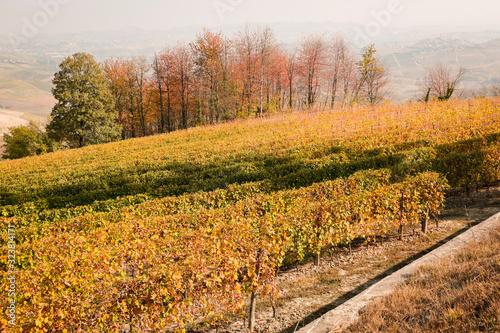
372 77
23 141
449 93
84 112
415 161
368 62
428 95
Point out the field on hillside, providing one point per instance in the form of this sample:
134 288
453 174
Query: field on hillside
176 230
26 83
25 90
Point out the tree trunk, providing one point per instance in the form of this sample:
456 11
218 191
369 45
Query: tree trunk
334 94
80 143
169 111
162 116
261 88
184 99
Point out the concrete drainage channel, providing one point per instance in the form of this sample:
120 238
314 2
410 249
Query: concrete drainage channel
346 313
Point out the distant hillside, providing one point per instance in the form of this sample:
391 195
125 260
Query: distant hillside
10 118
408 63
25 89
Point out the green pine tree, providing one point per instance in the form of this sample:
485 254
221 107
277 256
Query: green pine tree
84 113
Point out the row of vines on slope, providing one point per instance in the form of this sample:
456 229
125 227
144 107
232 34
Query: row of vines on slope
169 267
467 164
291 151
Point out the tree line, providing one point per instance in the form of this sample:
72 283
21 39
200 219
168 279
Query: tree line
210 80
214 79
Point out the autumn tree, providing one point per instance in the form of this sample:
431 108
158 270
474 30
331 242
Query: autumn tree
246 65
340 69
373 80
209 52
277 80
266 43
140 87
258 69
118 74
228 89
164 78
215 79
312 52
184 77
158 82
440 83
84 113
349 79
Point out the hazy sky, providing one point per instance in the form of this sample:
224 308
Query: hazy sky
84 15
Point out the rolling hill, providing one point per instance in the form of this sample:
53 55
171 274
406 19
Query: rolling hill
177 231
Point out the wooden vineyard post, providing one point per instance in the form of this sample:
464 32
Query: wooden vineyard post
425 224
253 297
251 319
317 258
401 214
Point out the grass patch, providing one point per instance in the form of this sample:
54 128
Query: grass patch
458 295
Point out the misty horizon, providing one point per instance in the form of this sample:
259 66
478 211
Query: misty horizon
74 16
